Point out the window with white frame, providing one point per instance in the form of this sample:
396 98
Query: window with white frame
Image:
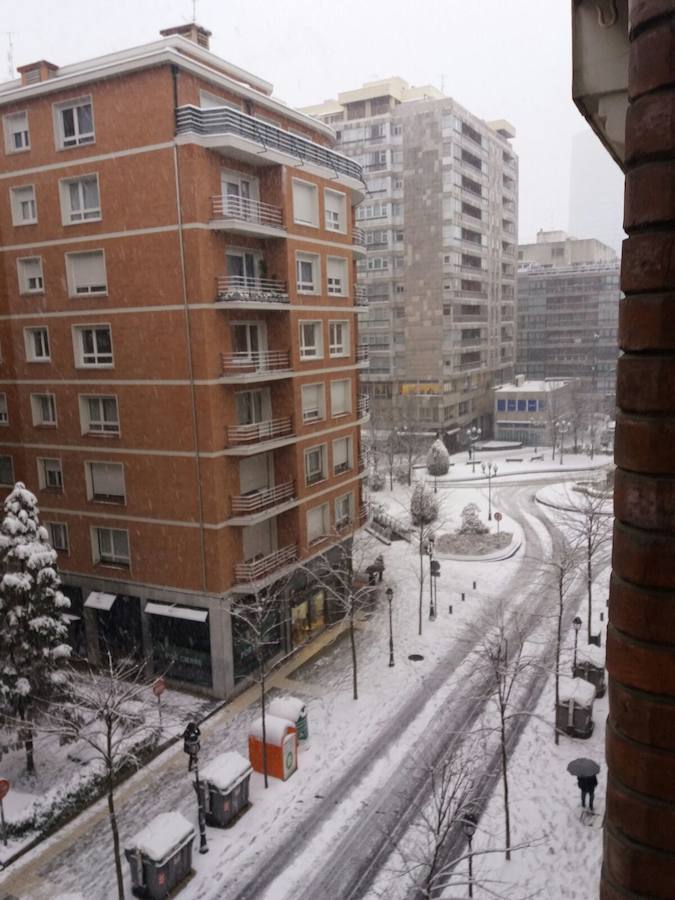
311 340
80 200
86 273
37 344
58 536
17 137
305 203
24 205
99 415
74 123
4 417
318 523
7 470
340 397
336 272
43 407
93 346
110 546
50 474
105 482
342 455
344 510
335 204
315 464
31 280
308 273
313 402
338 341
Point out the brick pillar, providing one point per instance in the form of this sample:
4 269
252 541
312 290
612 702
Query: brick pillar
639 855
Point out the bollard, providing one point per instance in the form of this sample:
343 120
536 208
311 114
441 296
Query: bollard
463 598
450 609
602 617
474 585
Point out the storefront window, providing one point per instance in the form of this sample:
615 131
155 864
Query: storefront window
308 616
181 649
250 636
119 629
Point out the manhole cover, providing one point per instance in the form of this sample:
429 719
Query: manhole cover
416 657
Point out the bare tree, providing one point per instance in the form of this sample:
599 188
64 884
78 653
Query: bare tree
423 512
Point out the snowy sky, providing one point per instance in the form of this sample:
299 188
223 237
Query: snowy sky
500 59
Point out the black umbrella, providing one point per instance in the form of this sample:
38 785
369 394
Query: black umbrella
583 767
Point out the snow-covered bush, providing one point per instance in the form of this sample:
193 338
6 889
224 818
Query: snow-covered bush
423 505
471 523
376 482
438 459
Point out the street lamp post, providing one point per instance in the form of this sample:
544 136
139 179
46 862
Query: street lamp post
533 434
469 822
432 605
390 596
489 470
473 434
563 428
191 746
576 621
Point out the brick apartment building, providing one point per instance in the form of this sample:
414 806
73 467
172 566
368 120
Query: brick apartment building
179 346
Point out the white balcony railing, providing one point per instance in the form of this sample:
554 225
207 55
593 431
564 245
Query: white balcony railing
263 361
361 295
260 290
363 406
227 206
261 566
259 431
358 237
255 501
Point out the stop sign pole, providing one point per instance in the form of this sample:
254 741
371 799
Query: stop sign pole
4 790
158 688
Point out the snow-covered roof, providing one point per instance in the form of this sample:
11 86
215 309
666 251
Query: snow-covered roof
226 770
530 387
576 689
592 654
276 729
288 708
162 835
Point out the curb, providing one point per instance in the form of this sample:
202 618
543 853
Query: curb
506 553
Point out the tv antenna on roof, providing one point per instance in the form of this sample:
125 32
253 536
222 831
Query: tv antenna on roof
10 53
194 10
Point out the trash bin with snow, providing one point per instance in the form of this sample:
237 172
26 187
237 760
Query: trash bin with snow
295 711
281 741
160 855
591 667
227 779
574 715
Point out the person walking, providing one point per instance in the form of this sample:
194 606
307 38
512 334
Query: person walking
587 785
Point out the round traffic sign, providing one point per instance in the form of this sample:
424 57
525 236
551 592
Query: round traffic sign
159 687
498 516
4 788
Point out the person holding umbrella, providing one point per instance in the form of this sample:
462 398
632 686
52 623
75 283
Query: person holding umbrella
586 771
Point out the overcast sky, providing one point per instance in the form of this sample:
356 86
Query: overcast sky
500 58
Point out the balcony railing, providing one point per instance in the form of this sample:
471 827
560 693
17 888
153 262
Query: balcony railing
364 514
265 565
259 290
226 206
256 432
358 237
361 295
221 120
262 362
362 353
255 501
363 406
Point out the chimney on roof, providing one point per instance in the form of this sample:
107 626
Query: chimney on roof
37 71
192 31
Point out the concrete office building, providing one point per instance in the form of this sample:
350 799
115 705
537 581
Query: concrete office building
179 347
568 307
440 226
526 411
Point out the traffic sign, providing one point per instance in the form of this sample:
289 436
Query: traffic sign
498 516
4 788
159 687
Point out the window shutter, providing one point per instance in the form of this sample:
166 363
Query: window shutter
340 452
88 269
339 397
107 478
304 202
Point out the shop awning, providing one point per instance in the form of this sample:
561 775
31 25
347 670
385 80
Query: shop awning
177 612
99 600
69 617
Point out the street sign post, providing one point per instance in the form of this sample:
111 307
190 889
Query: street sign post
4 790
498 518
158 689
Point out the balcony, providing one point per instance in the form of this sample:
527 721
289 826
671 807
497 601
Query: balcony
361 295
364 515
243 216
362 355
255 506
359 241
249 439
236 134
263 566
363 407
264 365
253 293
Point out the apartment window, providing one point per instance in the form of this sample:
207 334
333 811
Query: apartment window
378 262
318 523
99 415
50 474
74 123
307 273
93 346
105 482
43 407
342 455
338 338
305 203
24 205
335 205
531 405
17 137
4 417
31 280
340 397
251 407
80 200
311 340
58 536
337 275
37 344
344 510
6 471
313 402
110 546
315 464
86 273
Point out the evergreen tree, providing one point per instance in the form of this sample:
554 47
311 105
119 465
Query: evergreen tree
438 459
33 627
